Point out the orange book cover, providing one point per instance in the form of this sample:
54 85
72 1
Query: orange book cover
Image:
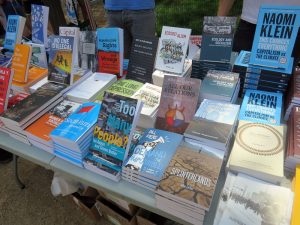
109 62
20 62
42 127
296 207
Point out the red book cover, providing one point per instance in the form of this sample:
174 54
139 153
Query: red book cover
5 82
109 62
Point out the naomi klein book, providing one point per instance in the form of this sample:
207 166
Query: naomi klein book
172 49
275 35
178 103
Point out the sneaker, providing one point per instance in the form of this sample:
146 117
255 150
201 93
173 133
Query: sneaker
5 157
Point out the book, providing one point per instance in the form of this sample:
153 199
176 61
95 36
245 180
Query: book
14 31
213 124
88 89
194 45
110 50
275 35
6 76
191 177
258 151
217 38
178 102
39 24
113 132
38 55
152 154
87 50
75 33
172 49
142 58
61 59
296 206
122 87
20 62
261 107
40 130
71 8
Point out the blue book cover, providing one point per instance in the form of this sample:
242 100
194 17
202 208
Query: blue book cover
39 23
12 29
78 123
153 153
108 39
275 35
261 107
114 129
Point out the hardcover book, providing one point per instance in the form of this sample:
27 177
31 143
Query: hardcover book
6 76
275 35
258 151
172 49
20 62
75 33
178 103
113 132
14 31
153 152
61 59
39 23
110 50
142 58
191 177
42 127
217 38
261 107
87 50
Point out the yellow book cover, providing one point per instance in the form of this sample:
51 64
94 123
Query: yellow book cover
296 208
20 62
258 151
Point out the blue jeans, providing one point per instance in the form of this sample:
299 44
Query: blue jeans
141 22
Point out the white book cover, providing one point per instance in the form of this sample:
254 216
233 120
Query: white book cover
72 32
38 55
90 87
254 202
150 95
172 49
194 45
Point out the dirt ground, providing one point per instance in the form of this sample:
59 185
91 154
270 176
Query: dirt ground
35 205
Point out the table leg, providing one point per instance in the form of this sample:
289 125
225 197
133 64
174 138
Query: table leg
15 165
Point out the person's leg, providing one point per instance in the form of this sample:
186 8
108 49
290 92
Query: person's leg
244 36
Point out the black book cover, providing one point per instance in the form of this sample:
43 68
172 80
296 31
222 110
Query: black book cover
269 78
142 58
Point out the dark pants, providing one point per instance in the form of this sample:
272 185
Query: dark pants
244 36
141 22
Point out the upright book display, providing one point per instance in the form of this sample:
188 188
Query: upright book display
6 76
39 23
14 31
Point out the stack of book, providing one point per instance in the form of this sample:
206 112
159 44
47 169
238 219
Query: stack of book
213 125
220 85
259 77
28 110
188 184
73 136
293 95
249 201
38 133
88 89
112 135
292 157
215 51
149 94
151 156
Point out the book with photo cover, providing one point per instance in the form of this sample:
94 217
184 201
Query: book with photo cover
142 58
178 103
172 49
217 38
87 50
275 35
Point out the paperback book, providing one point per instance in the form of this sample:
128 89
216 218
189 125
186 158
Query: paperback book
194 45
39 24
87 50
275 35
20 62
261 107
142 58
178 103
6 76
38 55
61 58
172 49
14 31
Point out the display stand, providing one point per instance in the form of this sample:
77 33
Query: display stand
123 189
